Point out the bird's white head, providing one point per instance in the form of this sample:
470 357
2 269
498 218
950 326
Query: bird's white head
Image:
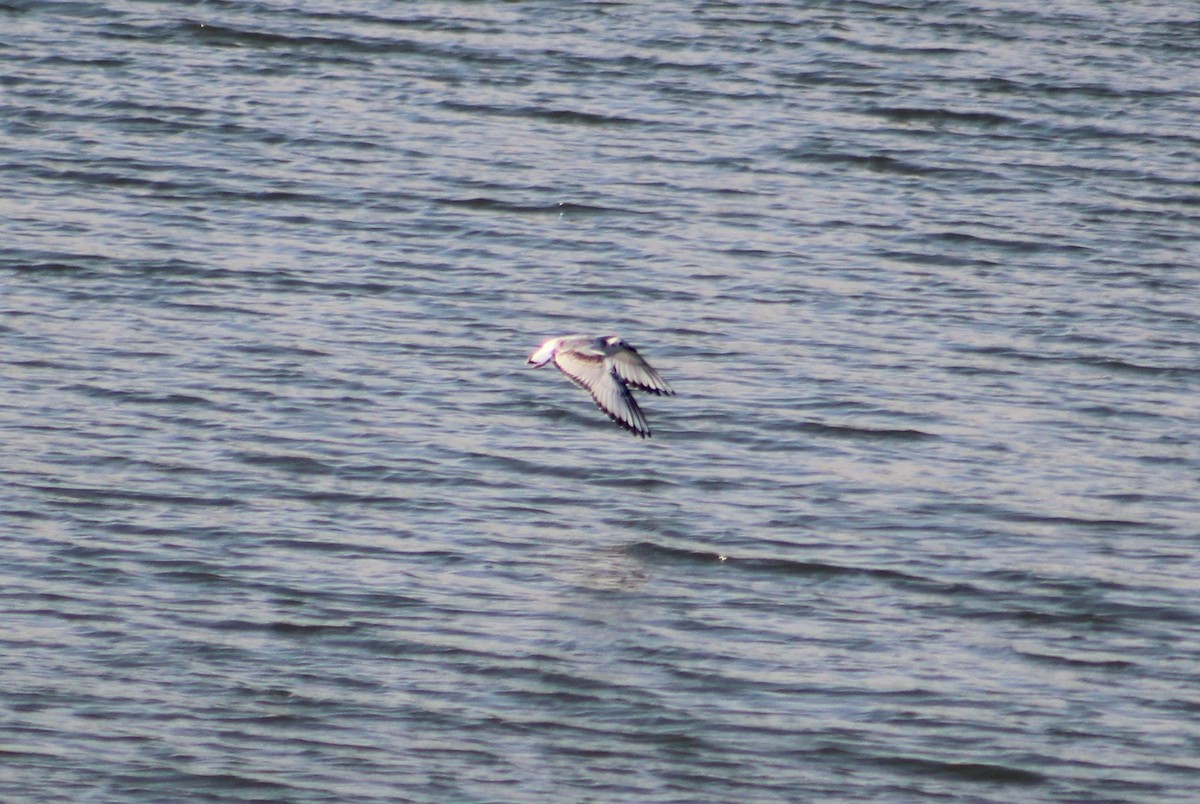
545 353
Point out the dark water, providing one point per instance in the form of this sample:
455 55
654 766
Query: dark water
286 518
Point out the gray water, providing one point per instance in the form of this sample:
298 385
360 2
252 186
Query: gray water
285 516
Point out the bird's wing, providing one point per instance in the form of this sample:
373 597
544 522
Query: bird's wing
608 390
634 370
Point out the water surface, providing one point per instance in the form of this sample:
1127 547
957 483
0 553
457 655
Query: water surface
286 517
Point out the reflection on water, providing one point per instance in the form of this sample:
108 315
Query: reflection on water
608 569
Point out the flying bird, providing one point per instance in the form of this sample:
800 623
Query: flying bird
605 366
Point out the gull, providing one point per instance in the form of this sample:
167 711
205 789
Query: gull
605 366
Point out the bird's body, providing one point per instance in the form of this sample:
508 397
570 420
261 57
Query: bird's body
606 366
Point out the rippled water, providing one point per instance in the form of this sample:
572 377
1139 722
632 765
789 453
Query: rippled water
286 517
